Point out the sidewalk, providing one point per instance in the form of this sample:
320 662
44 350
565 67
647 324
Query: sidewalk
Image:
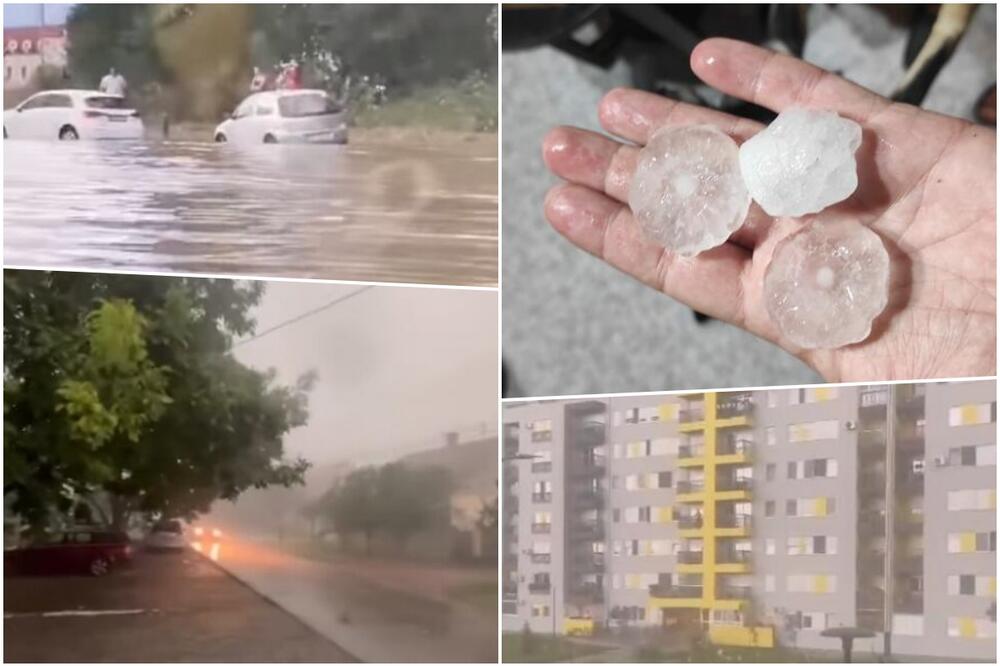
165 608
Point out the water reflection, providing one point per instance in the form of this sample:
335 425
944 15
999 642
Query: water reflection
409 213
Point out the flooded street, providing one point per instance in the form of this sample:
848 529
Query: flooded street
407 212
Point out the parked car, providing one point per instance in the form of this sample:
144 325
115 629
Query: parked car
82 551
69 115
167 535
285 116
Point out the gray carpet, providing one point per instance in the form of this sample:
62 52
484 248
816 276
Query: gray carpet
573 325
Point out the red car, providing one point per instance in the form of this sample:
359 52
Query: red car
73 553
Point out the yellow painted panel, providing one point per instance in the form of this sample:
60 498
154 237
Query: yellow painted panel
632 581
823 394
992 504
967 627
967 542
669 411
970 414
993 585
646 548
821 584
578 626
731 634
821 506
798 433
664 514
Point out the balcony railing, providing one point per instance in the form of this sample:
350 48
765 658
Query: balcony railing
541 498
511 474
541 528
660 591
735 592
586 593
589 562
689 557
689 522
739 404
541 466
692 414
539 587
734 445
734 484
588 499
734 557
587 530
733 520
689 451
540 558
684 487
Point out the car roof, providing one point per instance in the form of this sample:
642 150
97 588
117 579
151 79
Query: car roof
75 92
275 94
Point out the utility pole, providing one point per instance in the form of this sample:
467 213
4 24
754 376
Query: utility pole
890 520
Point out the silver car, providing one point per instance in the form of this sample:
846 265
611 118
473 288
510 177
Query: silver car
285 116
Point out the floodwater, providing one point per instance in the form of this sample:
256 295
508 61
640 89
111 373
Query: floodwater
382 211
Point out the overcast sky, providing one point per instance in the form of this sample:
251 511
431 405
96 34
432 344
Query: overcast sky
397 366
17 16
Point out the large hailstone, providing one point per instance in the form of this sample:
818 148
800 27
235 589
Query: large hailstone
826 283
802 163
687 192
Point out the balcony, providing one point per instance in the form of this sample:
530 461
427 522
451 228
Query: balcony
909 483
540 558
731 405
588 562
735 592
541 498
541 467
539 587
688 487
694 413
736 446
733 483
541 528
689 522
690 455
659 591
871 523
585 593
733 521
587 467
511 474
587 531
727 556
689 557
588 499
589 433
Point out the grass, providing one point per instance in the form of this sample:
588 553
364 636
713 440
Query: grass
482 595
469 106
521 647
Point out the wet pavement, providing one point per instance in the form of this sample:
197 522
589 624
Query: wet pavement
172 607
379 610
394 211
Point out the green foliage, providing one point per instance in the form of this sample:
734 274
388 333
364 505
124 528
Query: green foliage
124 385
393 499
195 61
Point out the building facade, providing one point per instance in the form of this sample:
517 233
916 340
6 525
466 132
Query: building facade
758 518
26 50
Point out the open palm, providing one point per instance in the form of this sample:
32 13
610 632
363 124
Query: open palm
927 186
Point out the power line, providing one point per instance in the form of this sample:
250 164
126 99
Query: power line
304 315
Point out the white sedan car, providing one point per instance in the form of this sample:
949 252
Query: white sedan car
69 115
167 535
285 116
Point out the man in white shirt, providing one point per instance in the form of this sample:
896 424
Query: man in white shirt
114 83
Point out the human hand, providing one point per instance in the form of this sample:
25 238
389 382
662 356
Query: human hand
927 186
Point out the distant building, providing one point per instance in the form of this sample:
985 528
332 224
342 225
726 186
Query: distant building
26 50
758 517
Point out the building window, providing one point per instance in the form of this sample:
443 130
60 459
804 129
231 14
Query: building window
769 581
769 436
769 508
972 585
974 414
972 542
542 491
541 431
769 547
971 627
769 471
813 431
973 456
972 500
539 610
666 479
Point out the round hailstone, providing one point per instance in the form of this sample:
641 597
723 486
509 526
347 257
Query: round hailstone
802 162
687 193
826 283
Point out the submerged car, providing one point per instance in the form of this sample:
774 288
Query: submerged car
69 115
85 551
167 535
285 116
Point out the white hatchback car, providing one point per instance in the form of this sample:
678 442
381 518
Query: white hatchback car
285 116
69 115
167 535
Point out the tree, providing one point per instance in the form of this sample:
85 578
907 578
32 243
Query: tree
123 387
394 499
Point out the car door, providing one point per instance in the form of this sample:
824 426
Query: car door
242 127
265 118
27 120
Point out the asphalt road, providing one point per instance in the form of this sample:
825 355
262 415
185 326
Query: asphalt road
378 610
177 607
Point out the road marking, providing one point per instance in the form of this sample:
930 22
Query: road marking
82 613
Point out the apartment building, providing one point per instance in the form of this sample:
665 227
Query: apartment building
759 517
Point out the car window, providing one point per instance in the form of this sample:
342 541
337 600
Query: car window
62 101
38 102
264 109
105 102
245 108
299 106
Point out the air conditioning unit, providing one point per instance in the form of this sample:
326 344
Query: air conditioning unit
941 461
918 466
851 425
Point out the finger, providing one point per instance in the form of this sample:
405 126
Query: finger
712 282
778 81
595 161
634 115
